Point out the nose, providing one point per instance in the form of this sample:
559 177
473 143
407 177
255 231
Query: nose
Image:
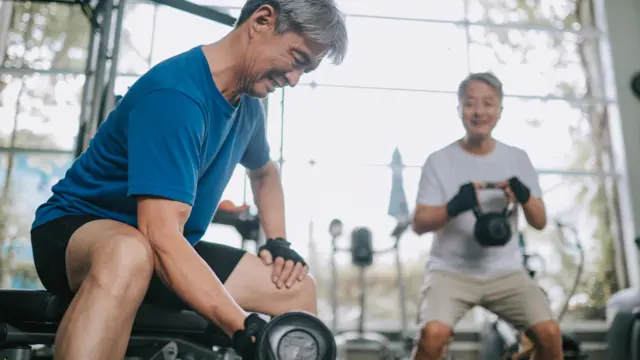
293 77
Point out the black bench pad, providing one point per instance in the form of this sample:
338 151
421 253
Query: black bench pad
34 306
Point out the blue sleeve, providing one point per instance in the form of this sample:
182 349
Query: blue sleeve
257 153
165 134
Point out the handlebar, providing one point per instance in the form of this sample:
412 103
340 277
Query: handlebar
336 227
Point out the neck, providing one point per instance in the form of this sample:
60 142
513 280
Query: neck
481 145
226 70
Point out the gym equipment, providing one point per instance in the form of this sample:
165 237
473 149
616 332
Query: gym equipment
635 85
360 344
31 317
241 219
492 228
623 318
296 335
499 340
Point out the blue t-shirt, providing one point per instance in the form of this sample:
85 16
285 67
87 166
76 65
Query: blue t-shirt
174 136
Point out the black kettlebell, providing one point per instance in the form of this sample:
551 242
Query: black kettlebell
492 228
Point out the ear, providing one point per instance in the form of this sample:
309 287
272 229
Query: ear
263 20
459 111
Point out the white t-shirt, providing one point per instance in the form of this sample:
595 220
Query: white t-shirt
455 248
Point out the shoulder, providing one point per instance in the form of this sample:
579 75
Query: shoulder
512 150
443 155
253 107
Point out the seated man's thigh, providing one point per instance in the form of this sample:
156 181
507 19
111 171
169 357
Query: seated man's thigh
222 260
248 281
518 299
447 297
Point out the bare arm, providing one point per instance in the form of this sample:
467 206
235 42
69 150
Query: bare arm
429 218
181 268
268 195
535 213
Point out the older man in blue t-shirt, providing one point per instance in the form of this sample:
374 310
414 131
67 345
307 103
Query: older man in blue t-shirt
123 226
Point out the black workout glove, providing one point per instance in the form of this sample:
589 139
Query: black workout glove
241 339
463 201
519 190
280 247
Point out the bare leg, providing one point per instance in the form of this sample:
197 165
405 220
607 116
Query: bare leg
110 265
434 338
251 287
548 339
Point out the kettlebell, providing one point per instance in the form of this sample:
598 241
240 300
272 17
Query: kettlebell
492 228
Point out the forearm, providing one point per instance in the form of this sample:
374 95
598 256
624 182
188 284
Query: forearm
535 213
432 219
183 271
269 198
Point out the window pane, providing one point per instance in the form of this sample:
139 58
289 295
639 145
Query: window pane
380 55
359 196
178 31
579 202
47 109
31 179
529 62
275 122
552 13
136 38
425 9
47 35
364 126
555 134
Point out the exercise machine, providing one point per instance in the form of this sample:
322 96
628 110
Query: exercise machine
623 317
29 320
246 223
500 340
360 344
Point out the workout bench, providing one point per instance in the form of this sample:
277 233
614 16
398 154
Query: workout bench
31 317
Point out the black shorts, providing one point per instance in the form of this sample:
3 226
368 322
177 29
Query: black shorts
49 243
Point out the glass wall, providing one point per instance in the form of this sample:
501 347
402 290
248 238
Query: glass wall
335 133
396 89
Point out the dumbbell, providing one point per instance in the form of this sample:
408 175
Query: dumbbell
296 335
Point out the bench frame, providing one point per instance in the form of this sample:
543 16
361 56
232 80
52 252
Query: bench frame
17 344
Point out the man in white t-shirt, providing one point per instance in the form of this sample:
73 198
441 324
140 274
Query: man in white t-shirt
461 273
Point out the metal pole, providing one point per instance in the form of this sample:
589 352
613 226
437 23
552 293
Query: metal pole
86 102
113 69
102 59
402 297
363 285
334 286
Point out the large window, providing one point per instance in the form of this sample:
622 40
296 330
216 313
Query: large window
335 133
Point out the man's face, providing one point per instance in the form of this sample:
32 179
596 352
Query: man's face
275 60
480 109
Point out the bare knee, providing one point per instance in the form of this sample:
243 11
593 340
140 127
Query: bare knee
546 334
434 336
303 296
123 265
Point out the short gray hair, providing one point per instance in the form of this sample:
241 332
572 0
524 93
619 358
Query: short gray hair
319 20
486 77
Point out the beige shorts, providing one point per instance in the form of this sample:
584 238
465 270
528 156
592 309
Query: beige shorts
514 297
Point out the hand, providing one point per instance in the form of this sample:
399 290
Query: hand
515 190
508 193
288 266
466 199
245 341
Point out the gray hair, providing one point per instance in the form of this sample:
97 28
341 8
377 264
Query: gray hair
319 20
486 77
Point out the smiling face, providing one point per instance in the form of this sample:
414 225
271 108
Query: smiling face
275 59
480 108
